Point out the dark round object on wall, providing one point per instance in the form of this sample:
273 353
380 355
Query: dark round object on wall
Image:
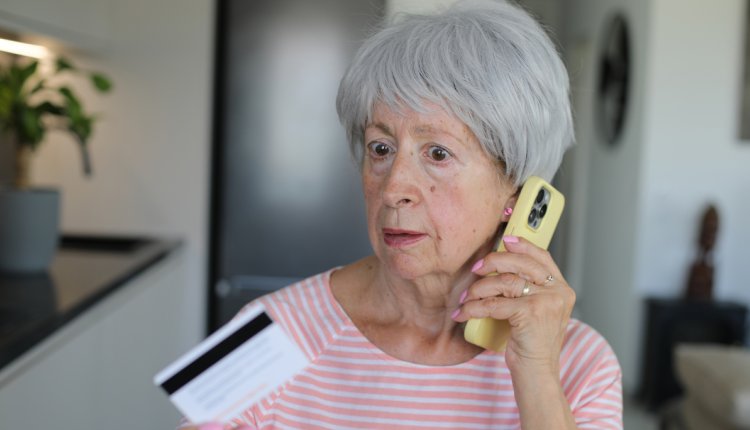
613 83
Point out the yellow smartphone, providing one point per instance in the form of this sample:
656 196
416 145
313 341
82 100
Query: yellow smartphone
534 218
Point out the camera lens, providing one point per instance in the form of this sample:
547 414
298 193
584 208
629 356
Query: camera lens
543 211
540 196
532 216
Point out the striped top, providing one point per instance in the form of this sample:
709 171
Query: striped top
351 384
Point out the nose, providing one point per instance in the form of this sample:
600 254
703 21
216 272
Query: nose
401 186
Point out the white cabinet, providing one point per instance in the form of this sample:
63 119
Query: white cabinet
96 373
82 24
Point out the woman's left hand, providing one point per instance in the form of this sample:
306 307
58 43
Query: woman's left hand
530 292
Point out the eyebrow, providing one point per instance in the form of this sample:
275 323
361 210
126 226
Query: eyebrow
382 127
421 129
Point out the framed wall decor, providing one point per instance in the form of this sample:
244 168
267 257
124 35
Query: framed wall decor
613 81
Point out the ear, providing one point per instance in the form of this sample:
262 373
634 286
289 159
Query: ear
510 203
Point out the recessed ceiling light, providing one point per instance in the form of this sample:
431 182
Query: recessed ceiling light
25 49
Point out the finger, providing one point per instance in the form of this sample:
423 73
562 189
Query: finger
520 245
501 308
522 265
503 285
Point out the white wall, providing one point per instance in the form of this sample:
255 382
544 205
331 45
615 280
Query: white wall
680 151
606 182
150 149
693 155
415 6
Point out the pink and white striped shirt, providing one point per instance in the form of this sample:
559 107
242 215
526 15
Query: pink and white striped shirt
351 384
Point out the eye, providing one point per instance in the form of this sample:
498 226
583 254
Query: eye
379 149
438 153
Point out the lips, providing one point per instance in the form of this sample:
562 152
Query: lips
398 238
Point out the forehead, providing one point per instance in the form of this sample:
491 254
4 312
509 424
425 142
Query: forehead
431 120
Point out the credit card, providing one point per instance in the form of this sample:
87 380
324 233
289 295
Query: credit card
232 369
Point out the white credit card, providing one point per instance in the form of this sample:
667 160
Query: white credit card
232 369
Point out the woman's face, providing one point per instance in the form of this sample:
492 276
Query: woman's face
434 198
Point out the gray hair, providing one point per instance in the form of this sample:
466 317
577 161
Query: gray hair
488 63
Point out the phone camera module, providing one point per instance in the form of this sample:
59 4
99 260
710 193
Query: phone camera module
532 217
540 196
543 211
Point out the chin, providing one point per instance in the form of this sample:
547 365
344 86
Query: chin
410 268
406 266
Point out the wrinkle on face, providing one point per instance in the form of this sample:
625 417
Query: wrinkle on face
457 205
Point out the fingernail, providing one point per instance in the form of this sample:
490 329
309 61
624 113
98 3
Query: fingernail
478 265
463 297
211 426
455 313
508 211
510 239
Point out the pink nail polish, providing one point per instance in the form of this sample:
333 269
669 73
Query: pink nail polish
463 296
478 265
510 239
455 313
508 211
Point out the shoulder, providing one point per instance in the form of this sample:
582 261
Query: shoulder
583 340
586 348
589 370
306 311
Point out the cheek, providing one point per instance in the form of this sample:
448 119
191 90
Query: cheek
468 218
371 193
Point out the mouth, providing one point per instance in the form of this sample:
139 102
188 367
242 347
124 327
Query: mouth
397 238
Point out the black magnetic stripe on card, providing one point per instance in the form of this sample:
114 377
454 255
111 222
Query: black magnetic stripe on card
213 355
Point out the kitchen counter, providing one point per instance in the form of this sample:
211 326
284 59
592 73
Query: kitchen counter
85 271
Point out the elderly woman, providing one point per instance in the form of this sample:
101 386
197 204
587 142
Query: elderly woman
448 116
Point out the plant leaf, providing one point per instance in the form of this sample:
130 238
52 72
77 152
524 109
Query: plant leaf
32 129
6 104
72 105
81 126
62 64
78 122
38 87
101 82
27 71
50 108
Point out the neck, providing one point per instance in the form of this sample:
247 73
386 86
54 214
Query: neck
408 319
424 304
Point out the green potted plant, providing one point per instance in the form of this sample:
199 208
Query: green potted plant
31 105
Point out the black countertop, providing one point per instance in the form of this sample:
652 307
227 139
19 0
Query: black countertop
85 270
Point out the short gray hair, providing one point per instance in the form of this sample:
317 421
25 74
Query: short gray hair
488 63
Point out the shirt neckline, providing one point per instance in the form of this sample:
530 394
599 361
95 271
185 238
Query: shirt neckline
478 359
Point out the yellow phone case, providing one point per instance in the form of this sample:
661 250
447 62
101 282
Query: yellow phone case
493 334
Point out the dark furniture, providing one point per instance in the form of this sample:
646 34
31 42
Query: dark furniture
669 322
86 270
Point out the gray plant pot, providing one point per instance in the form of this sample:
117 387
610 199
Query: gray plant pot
29 229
